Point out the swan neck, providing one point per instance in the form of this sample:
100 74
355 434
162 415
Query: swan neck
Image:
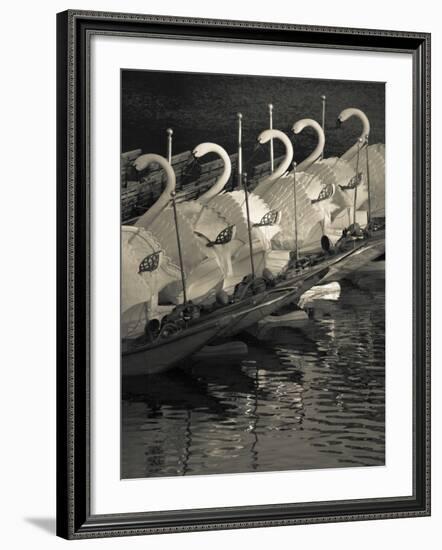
148 217
365 130
317 151
220 183
285 164
365 124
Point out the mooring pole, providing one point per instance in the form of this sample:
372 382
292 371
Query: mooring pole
169 133
356 183
178 241
249 225
368 180
324 100
272 159
239 150
295 210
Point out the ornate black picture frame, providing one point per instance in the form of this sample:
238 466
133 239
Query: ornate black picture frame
74 518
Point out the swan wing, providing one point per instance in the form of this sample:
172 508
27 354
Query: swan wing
163 228
376 165
308 214
210 223
376 169
227 207
136 245
190 210
258 208
263 187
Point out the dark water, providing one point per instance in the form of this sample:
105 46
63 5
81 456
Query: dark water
300 400
202 107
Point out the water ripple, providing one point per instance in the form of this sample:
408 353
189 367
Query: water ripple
314 399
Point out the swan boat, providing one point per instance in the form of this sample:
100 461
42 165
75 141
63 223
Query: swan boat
264 223
366 166
169 338
205 256
313 205
189 327
329 184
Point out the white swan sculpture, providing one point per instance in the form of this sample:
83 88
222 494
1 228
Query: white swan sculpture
376 165
225 206
145 270
280 196
231 206
321 179
340 172
209 221
203 272
265 185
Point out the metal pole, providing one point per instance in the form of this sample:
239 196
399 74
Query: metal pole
368 181
324 99
180 254
295 210
272 159
249 226
169 133
239 150
356 184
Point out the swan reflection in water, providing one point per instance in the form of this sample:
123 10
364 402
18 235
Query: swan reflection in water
299 400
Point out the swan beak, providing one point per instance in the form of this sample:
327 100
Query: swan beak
338 123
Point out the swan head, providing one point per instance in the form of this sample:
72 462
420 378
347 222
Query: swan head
201 150
344 115
347 113
266 136
303 123
142 162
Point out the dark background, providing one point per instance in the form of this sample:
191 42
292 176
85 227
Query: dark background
203 107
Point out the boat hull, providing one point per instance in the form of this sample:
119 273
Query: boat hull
258 309
165 355
235 318
357 260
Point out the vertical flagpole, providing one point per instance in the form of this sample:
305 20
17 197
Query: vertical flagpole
169 133
324 100
295 205
356 185
272 160
368 181
249 227
178 242
239 150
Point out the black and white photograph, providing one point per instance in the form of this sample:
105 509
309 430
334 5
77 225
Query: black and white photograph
218 280
252 274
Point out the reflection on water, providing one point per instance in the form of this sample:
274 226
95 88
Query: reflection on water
314 399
